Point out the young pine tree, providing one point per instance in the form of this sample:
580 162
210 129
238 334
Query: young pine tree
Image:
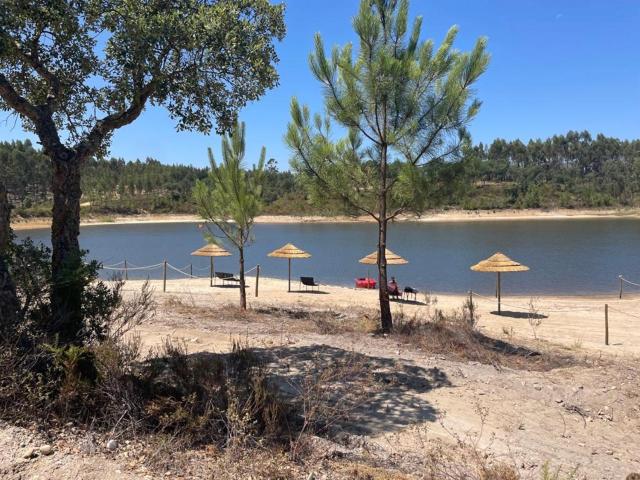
396 99
231 197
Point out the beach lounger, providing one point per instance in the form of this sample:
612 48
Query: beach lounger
408 291
227 277
309 282
365 283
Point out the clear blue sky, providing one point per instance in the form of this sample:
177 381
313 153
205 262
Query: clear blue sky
556 66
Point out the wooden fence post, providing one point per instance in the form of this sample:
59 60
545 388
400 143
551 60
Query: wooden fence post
257 278
164 276
126 272
620 286
606 324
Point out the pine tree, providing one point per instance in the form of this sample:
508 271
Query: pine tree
395 99
232 198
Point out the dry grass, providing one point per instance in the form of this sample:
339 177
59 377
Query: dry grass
453 337
451 334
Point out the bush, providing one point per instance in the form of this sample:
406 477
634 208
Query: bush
103 308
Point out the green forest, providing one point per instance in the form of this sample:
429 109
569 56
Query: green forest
574 170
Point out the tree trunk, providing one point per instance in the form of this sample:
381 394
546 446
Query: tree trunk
66 292
243 293
9 305
386 320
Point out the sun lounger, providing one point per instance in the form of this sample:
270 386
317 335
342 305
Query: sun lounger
227 277
365 283
309 282
408 291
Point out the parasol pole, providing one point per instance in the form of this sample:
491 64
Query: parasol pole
498 292
211 271
289 274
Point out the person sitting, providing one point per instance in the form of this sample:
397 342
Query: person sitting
393 289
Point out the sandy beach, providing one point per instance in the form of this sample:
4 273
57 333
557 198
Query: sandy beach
430 216
584 414
573 322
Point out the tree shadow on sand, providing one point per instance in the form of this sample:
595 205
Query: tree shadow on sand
375 394
511 314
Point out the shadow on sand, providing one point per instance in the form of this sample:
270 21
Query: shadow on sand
508 313
405 301
393 392
315 292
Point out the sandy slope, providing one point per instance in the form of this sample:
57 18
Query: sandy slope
585 415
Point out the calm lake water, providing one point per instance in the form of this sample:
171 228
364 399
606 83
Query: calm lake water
565 256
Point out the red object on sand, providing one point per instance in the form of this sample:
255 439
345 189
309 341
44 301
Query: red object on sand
365 283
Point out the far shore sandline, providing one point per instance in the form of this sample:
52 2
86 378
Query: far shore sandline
450 216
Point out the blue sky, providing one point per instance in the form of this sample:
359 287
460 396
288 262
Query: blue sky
555 66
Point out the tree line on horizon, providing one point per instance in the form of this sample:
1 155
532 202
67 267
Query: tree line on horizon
575 170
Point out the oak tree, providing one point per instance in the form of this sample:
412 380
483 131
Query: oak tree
77 70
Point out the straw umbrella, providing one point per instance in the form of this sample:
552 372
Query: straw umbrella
499 263
289 251
211 250
392 259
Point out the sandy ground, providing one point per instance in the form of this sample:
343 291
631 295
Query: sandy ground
430 216
574 322
586 415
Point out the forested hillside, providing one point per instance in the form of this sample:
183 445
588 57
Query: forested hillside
570 171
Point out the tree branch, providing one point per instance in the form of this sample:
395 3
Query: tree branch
103 127
14 100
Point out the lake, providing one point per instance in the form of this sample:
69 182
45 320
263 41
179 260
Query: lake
569 256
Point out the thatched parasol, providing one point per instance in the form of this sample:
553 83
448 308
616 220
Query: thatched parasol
499 263
211 250
289 251
392 259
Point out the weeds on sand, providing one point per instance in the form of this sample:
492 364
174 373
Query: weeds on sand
454 334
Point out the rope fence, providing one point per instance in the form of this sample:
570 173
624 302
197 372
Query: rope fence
126 267
624 281
120 269
533 308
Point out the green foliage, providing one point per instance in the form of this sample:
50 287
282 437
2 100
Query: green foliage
398 100
112 187
202 60
572 170
231 197
477 181
30 267
395 100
